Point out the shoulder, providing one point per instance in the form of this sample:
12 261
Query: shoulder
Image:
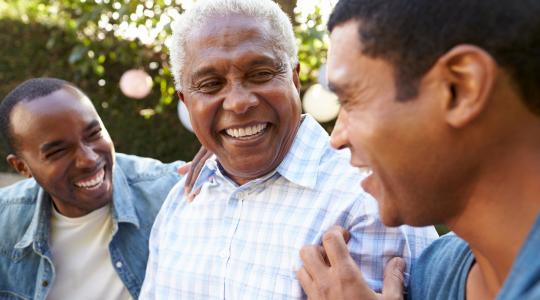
441 270
523 282
20 193
136 168
336 170
17 206
447 248
145 182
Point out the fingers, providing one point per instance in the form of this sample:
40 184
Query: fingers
195 168
191 196
305 281
335 245
393 279
314 260
184 169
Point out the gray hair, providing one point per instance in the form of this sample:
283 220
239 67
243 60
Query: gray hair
282 35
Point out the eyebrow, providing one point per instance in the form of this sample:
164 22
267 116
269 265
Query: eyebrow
263 61
202 72
50 145
91 125
256 62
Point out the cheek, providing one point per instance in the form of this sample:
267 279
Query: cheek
202 113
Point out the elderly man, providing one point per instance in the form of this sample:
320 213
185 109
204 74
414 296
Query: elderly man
66 233
275 183
441 100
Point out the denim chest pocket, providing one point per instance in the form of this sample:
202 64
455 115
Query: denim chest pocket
7 295
18 273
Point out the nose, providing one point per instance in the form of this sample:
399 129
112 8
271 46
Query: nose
240 99
86 157
339 136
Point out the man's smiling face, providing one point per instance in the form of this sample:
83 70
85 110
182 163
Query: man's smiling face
62 143
405 144
242 97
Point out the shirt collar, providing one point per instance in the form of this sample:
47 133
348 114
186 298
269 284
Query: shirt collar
302 162
123 210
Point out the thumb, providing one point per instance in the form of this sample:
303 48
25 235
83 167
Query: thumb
393 279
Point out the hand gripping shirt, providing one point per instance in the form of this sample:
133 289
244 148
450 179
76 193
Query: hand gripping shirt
243 242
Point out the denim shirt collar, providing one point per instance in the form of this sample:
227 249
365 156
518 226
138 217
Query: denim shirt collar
300 165
38 230
123 211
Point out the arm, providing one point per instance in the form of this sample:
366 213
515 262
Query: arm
329 272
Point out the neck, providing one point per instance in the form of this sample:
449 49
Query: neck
500 212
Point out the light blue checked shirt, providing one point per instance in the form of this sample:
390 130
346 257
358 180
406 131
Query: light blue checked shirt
243 242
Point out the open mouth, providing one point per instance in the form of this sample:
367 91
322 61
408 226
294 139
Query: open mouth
247 132
93 182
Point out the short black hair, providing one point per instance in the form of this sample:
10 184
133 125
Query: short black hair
412 34
27 91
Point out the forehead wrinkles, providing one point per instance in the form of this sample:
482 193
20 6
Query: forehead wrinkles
228 33
219 53
228 30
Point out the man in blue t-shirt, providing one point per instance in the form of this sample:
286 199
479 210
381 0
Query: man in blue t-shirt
440 100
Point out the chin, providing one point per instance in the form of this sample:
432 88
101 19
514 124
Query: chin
390 216
391 221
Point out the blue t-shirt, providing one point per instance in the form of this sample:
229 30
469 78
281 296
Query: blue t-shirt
524 279
442 269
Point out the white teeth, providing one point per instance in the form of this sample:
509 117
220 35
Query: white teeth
365 171
93 181
246 131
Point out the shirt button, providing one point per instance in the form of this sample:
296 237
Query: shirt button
118 264
44 283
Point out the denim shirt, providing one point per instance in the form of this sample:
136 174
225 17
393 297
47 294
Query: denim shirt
140 185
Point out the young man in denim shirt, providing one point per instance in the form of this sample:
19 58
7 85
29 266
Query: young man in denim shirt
66 233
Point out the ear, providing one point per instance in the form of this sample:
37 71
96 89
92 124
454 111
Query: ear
18 165
470 72
296 77
181 96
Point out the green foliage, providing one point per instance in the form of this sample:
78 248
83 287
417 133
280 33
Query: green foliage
93 42
313 45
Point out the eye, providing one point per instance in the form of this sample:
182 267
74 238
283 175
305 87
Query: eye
210 86
261 75
96 134
55 153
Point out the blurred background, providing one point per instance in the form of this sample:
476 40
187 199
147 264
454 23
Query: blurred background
115 51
